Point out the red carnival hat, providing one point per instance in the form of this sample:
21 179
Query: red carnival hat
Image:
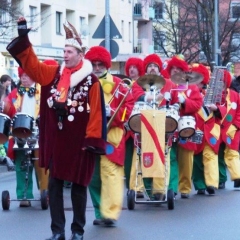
99 53
200 68
227 78
52 62
177 61
20 71
152 58
136 62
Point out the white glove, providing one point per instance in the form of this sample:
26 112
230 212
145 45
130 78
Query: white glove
108 110
167 96
148 97
181 98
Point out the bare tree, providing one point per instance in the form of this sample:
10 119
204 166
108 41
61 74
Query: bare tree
10 11
187 27
8 15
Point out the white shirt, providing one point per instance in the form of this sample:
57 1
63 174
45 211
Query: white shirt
28 104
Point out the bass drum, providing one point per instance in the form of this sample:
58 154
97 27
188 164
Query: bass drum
134 121
5 126
22 125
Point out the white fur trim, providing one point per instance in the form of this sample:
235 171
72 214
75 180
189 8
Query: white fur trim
79 75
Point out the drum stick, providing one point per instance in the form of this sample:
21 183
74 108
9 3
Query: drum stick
124 114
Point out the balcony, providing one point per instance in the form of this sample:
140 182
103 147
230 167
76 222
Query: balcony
143 46
141 11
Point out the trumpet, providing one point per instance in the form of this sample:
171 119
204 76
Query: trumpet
126 83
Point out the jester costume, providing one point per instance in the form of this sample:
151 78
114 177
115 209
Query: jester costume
15 101
106 187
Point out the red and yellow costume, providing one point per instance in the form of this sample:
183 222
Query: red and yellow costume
209 124
14 104
107 186
230 133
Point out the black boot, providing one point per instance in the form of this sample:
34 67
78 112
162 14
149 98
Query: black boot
237 183
211 190
57 236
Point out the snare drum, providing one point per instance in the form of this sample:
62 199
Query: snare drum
22 125
172 118
186 126
5 126
134 121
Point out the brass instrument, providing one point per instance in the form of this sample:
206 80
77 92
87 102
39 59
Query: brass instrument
215 88
126 83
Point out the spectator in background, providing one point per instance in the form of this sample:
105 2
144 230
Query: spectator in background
6 81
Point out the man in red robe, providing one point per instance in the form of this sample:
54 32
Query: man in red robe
72 126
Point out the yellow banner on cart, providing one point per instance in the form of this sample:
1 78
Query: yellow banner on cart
153 143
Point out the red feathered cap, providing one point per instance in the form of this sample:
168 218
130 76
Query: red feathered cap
136 62
227 78
20 71
152 58
200 68
99 53
177 61
50 62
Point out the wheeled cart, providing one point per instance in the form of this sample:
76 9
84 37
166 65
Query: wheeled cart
28 145
151 195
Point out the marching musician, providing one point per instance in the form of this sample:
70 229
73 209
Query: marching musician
205 165
133 69
152 66
72 127
228 155
26 99
175 65
107 186
190 101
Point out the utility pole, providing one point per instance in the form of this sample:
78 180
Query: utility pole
216 34
107 26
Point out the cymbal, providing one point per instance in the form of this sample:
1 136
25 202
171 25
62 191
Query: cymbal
149 80
191 77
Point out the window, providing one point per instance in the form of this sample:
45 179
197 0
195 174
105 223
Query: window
203 11
83 31
235 42
158 10
33 13
3 17
58 22
122 30
159 39
235 10
130 31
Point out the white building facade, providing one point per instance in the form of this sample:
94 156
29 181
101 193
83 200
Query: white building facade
132 19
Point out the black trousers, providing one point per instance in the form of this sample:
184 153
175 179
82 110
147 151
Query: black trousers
56 204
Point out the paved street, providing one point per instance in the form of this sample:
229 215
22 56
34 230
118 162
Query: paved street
199 218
